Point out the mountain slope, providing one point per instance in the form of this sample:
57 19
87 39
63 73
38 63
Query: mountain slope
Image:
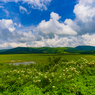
85 48
63 50
26 50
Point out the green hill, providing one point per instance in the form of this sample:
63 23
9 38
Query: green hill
26 50
85 48
47 50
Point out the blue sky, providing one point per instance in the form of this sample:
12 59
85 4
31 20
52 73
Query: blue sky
52 23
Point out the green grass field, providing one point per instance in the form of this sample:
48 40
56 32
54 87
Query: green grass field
40 58
54 74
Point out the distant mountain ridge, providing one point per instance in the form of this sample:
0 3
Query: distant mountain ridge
85 48
63 50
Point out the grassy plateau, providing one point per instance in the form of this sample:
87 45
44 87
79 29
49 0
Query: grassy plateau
53 74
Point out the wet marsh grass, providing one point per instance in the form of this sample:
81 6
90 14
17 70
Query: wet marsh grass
55 76
41 58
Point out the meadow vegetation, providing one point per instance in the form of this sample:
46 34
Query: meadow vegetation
54 75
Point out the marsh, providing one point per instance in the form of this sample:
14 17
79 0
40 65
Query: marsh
24 63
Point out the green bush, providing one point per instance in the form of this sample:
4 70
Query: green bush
54 77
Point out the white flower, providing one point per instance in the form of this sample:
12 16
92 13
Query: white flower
38 80
53 86
45 76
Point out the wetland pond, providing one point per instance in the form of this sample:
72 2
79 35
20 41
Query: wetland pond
23 63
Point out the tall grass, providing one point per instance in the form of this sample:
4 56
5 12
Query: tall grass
55 77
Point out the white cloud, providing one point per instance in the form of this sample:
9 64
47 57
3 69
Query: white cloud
37 4
12 45
3 45
53 32
89 39
19 25
53 26
55 16
10 1
71 41
23 9
7 24
1 6
85 10
6 11
72 24
85 17
8 33
29 39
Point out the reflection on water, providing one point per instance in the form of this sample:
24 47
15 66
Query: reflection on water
24 63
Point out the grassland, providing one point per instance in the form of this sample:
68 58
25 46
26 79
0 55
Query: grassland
54 74
41 58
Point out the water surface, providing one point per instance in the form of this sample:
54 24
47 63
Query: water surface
24 63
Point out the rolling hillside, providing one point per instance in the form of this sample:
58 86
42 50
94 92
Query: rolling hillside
63 50
85 48
26 50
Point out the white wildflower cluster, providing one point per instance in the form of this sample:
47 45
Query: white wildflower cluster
39 73
54 67
69 71
52 74
18 72
83 60
91 63
8 76
19 77
36 79
53 86
71 62
22 74
15 70
69 76
60 76
26 75
36 76
72 68
45 76
29 72
50 80
22 71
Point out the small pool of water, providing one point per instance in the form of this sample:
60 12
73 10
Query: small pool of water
24 63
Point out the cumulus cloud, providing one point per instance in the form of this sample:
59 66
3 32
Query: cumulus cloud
55 16
54 27
12 45
71 41
10 37
85 10
89 39
7 24
36 4
80 31
85 17
8 33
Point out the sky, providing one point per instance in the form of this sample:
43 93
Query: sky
47 23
